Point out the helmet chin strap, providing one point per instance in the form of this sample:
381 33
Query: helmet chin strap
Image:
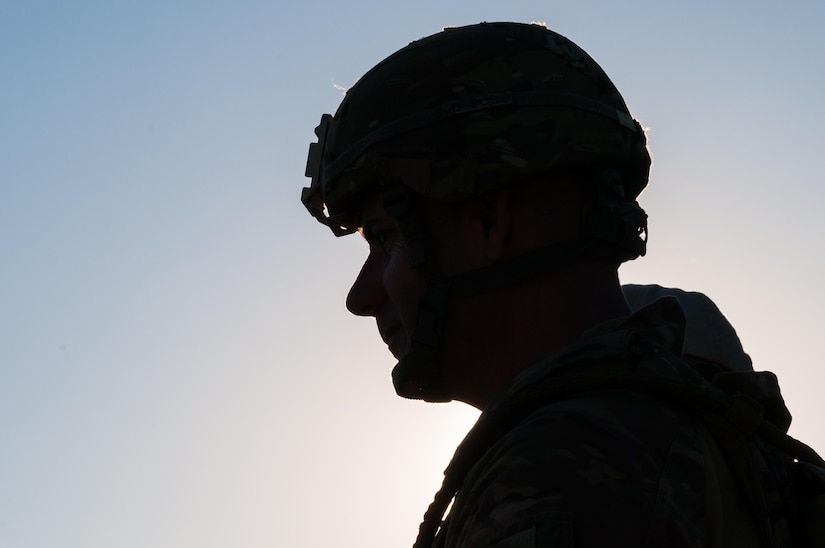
418 372
417 375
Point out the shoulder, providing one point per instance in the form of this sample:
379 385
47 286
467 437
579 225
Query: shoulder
604 457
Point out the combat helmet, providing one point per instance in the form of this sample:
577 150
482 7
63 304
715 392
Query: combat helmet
462 113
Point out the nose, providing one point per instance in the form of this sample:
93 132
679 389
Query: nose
367 294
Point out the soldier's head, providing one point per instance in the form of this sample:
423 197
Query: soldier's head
473 161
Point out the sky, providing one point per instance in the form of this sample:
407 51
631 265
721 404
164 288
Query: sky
177 367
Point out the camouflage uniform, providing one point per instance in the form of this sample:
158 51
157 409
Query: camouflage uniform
593 469
472 110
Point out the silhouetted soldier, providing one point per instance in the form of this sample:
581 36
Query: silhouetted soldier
494 169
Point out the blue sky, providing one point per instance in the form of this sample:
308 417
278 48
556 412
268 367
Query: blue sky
176 364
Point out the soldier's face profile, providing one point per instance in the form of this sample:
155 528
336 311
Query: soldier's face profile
386 288
389 290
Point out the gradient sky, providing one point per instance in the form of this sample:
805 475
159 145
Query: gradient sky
176 364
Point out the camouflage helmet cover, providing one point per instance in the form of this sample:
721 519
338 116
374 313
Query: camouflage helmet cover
469 110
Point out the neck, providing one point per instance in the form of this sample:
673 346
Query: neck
532 321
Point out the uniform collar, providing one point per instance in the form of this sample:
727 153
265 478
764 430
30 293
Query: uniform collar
662 321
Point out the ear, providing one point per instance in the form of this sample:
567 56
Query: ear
471 234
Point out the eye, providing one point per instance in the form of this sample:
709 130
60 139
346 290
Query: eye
382 236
